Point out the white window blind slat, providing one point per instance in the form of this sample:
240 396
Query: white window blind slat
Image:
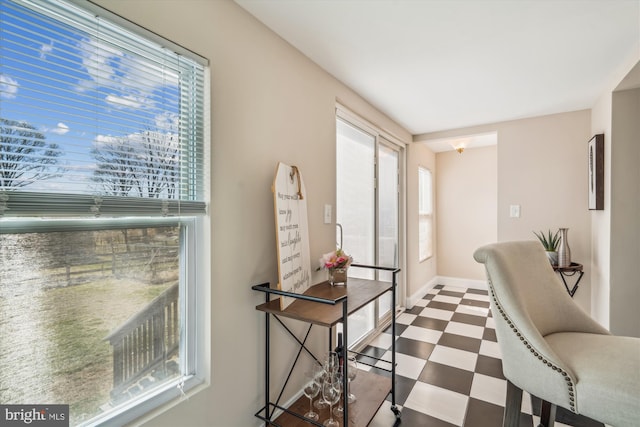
30 204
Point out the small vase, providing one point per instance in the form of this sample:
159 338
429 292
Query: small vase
564 252
553 257
338 275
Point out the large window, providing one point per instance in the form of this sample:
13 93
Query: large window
102 212
425 214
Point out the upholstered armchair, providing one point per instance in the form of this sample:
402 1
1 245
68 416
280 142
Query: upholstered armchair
551 348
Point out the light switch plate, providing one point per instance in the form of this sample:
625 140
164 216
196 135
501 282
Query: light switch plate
514 211
327 214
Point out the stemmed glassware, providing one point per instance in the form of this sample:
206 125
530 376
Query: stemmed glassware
320 404
338 411
351 375
352 371
330 367
331 391
311 390
332 363
329 380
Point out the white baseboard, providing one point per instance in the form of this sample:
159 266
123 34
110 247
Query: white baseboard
412 299
462 283
446 281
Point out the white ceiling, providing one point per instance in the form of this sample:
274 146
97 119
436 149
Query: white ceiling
435 65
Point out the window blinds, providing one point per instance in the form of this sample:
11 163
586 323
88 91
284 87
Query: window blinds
94 118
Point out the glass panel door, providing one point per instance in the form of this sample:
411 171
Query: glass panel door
388 206
368 212
355 194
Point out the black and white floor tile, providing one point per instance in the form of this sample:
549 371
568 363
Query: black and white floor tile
449 369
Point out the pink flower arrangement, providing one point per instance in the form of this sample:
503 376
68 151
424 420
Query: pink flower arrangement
335 259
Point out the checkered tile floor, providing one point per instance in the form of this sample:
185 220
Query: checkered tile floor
449 371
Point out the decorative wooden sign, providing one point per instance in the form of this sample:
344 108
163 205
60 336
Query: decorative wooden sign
292 232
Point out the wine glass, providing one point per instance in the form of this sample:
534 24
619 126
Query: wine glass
331 390
332 363
351 375
311 390
321 375
338 411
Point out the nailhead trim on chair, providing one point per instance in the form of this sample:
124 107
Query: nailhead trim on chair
566 376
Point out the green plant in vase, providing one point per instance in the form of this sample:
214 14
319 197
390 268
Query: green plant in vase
550 243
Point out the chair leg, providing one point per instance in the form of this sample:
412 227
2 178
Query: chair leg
547 414
512 406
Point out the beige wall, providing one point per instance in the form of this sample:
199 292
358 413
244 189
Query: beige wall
542 166
466 205
419 274
269 103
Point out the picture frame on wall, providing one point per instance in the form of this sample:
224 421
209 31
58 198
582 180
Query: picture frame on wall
596 172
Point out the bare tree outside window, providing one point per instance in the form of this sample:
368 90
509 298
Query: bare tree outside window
158 164
144 164
25 155
115 161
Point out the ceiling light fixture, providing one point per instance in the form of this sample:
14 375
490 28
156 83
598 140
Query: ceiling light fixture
460 144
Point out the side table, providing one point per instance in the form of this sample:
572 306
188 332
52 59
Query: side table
570 271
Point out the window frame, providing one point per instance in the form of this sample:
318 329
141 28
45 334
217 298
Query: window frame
381 138
194 304
425 213
195 246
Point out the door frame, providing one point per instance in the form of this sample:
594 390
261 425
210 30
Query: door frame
389 140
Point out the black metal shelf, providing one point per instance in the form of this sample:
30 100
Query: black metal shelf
326 305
